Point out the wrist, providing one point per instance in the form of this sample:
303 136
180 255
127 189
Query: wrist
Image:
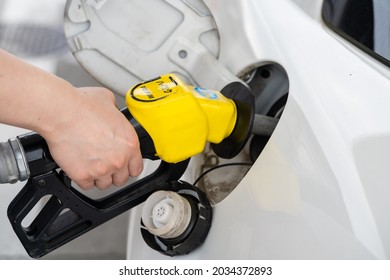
55 115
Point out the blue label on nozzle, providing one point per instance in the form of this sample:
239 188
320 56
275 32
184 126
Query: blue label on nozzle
206 93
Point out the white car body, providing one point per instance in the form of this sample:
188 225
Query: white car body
319 189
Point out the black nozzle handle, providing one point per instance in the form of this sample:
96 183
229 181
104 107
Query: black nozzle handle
68 213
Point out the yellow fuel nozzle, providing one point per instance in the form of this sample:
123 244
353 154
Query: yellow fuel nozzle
181 119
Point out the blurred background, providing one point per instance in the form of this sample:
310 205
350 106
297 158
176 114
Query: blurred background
33 31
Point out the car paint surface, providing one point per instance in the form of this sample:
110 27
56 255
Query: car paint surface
319 189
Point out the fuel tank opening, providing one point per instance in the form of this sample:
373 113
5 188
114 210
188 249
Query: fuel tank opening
219 175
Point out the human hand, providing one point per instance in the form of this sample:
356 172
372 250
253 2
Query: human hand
88 137
92 141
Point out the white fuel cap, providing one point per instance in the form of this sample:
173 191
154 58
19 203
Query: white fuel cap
166 214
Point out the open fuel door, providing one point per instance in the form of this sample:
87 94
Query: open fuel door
123 42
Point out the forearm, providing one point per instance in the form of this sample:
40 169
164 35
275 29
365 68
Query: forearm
87 135
26 92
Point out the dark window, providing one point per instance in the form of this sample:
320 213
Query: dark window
365 23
